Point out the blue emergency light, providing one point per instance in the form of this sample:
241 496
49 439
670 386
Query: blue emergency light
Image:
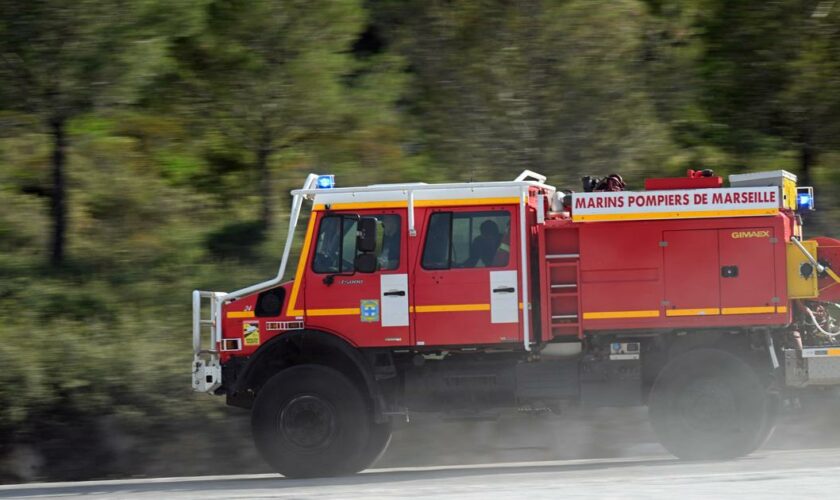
805 198
325 182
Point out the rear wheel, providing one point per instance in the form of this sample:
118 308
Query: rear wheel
311 421
709 404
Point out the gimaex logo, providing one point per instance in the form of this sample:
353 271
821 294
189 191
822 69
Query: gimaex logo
750 234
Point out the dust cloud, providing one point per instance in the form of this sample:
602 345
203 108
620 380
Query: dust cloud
577 433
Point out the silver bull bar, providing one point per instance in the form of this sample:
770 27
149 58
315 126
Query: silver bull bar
207 370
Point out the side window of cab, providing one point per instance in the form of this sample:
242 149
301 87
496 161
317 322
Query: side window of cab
459 240
336 243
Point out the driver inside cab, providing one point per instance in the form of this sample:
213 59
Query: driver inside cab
489 248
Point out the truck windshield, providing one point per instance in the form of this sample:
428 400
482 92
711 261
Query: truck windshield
335 249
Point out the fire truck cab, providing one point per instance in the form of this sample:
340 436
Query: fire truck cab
701 301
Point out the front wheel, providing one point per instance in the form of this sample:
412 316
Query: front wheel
380 437
710 404
312 421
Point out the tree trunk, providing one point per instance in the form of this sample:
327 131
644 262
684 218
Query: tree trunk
265 186
58 205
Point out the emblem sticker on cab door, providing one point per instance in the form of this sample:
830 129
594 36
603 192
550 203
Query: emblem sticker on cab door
369 311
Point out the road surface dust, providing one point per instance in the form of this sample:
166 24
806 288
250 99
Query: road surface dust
783 474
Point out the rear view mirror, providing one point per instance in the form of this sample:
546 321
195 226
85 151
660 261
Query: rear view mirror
366 236
365 263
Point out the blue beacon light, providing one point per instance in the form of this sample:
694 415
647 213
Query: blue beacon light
325 182
805 199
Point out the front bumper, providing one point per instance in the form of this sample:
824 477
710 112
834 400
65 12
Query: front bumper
207 374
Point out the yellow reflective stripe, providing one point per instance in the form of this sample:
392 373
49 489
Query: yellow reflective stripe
833 276
346 311
781 309
621 314
707 311
240 314
307 241
467 202
748 310
676 215
419 203
452 308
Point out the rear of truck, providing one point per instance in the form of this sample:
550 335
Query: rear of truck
812 350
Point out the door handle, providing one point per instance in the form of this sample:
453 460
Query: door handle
398 293
506 289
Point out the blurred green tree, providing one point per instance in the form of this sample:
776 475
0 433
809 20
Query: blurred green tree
269 75
62 58
772 70
556 87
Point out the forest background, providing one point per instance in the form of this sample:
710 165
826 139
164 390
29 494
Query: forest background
147 149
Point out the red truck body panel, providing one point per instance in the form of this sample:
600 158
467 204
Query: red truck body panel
584 277
634 275
666 274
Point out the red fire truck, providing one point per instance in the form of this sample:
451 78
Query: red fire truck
703 302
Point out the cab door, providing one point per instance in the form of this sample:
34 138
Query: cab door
369 309
466 279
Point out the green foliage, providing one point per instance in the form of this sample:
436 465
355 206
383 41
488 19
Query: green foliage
550 86
236 240
771 77
273 76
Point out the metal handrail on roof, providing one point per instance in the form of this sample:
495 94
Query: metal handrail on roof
382 188
520 181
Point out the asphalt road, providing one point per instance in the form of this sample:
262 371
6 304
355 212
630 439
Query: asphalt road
780 474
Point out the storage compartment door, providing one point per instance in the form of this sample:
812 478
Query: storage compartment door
692 284
747 274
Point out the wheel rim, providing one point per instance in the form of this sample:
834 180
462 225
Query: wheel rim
308 422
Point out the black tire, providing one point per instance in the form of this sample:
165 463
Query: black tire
380 437
774 405
311 421
710 404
